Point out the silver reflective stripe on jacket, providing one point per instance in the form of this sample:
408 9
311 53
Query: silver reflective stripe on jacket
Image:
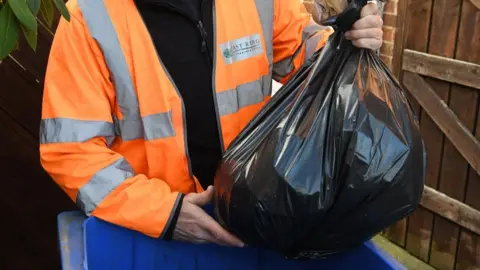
310 40
132 126
233 100
66 130
101 184
265 12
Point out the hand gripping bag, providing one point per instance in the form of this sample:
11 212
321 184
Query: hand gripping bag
332 159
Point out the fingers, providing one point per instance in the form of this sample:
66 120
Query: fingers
368 43
203 228
202 198
368 33
195 226
218 234
369 21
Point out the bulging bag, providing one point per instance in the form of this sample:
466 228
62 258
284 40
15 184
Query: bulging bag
332 159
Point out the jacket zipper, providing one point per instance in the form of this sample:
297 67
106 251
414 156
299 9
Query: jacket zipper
204 46
204 35
205 50
185 140
197 21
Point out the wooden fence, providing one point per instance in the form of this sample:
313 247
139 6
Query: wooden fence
29 199
438 60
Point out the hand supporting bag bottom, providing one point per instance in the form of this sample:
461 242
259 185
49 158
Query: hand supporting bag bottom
333 158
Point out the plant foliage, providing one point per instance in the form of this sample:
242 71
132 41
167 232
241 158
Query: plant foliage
22 16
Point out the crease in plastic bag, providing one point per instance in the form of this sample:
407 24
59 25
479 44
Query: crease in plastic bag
332 159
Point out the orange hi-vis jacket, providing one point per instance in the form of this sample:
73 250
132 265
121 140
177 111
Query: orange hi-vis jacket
112 133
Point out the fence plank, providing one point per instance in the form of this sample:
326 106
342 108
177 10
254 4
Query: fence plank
420 233
434 142
441 41
469 246
21 96
454 173
30 201
468 257
443 249
419 13
468 251
400 37
442 68
420 223
445 118
397 233
476 3
451 209
29 198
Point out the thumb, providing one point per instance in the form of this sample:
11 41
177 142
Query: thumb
370 9
202 198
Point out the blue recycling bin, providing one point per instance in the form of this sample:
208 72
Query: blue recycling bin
92 244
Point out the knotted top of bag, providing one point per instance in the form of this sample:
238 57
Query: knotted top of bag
345 20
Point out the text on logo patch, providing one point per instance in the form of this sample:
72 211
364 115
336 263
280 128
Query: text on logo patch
241 48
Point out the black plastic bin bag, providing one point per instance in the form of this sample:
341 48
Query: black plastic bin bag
332 159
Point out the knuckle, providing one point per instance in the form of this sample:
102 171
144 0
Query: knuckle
367 44
373 20
363 43
216 236
358 43
379 21
353 35
369 33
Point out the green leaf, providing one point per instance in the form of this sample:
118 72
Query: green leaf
62 9
23 13
31 37
34 6
47 11
8 31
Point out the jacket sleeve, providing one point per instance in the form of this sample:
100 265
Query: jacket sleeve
296 37
75 134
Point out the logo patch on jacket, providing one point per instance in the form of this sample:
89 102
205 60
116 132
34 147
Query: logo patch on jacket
241 48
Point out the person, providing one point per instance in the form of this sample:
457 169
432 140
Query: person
142 97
